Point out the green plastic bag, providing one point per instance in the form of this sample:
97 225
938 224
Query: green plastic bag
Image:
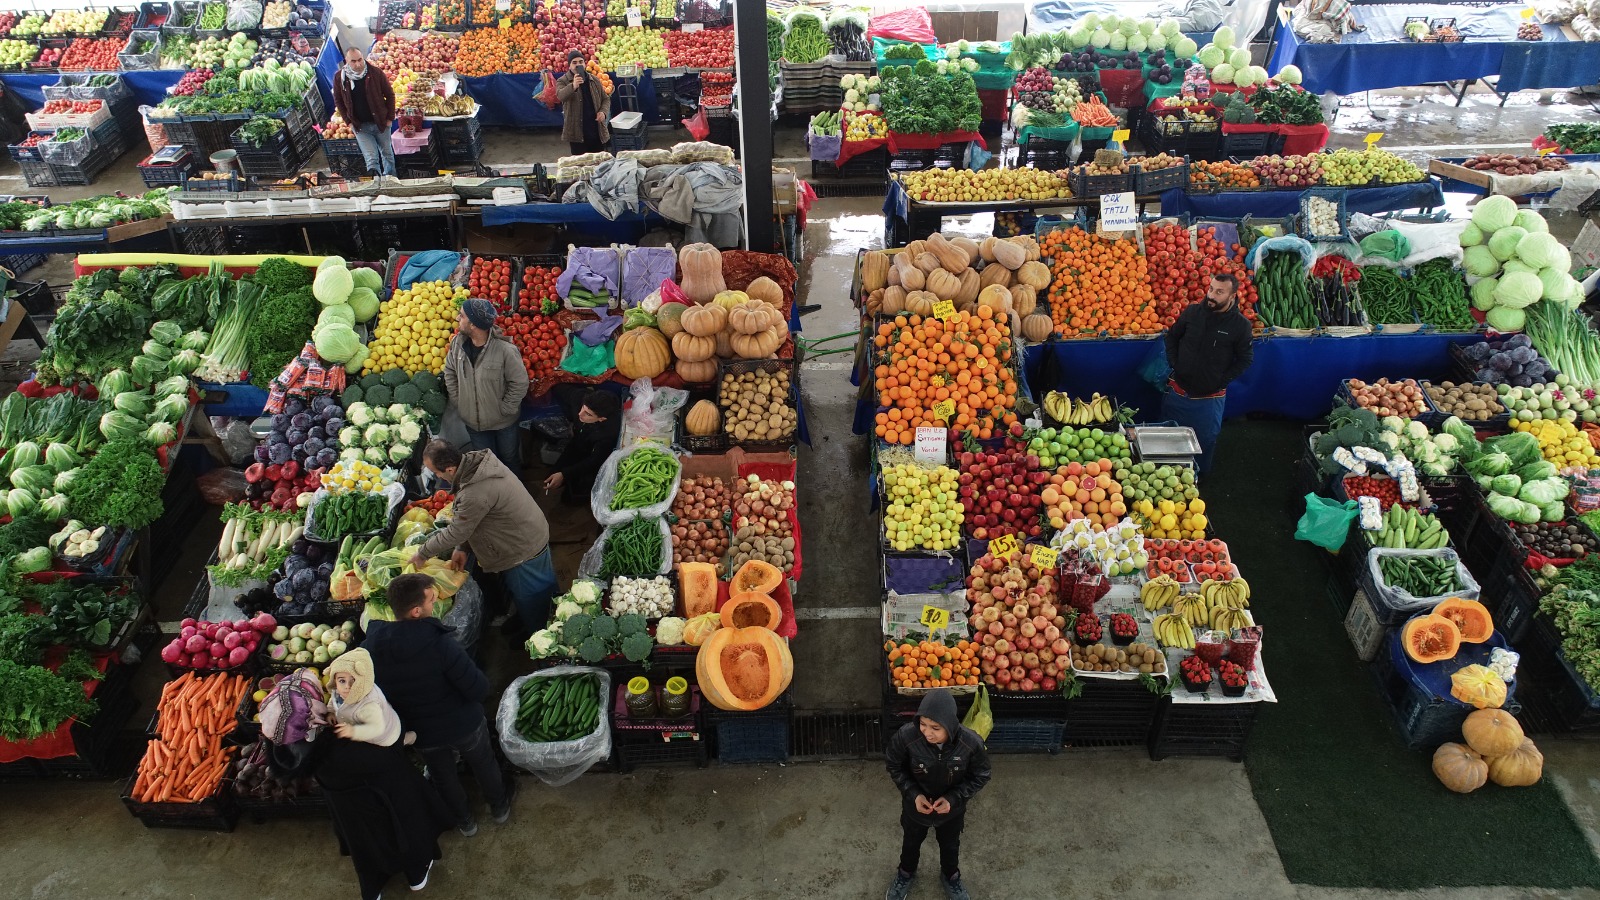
589 361
1389 244
1326 522
980 718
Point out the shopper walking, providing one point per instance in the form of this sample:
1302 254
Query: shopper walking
438 692
501 522
365 99
486 381
938 766
585 107
1207 347
594 437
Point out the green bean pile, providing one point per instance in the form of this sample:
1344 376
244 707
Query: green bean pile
1439 294
1384 297
644 478
632 548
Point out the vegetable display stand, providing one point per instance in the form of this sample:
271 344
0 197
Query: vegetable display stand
761 736
1110 713
1366 633
1026 736
1510 595
1574 704
659 741
1418 694
1202 729
219 812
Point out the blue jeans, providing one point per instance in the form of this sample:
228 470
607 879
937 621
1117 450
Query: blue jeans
1204 415
531 584
505 442
376 148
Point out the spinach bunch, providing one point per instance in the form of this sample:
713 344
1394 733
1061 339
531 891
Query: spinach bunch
35 701
120 486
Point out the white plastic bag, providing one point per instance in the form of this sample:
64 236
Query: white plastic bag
605 485
652 413
1402 600
558 762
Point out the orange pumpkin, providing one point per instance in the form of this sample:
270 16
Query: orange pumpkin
751 610
1458 768
743 669
697 585
756 577
1430 638
693 348
642 353
704 321
1471 617
701 372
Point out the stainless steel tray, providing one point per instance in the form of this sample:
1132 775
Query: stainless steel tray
1164 440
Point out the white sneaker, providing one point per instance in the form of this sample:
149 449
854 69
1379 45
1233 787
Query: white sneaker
424 882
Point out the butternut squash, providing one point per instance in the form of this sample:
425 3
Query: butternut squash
971 248
767 291
1024 299
952 258
915 249
702 419
913 278
986 249
944 285
874 273
1010 255
928 262
701 265
894 300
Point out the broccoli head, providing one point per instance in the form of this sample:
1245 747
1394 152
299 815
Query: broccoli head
426 381
630 624
592 649
636 647
394 377
604 628
352 394
434 403
407 394
379 396
370 380
576 628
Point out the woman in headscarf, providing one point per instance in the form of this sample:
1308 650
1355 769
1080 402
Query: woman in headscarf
585 107
365 99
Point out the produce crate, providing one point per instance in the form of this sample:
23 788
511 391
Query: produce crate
309 805
1511 596
120 20
1026 736
656 742
711 443
1251 145
1039 153
1361 624
1196 140
219 812
1110 713
38 174
1158 180
916 572
277 145
1575 704
949 156
751 737
182 10
1333 195
1085 187
269 166
152 12
1429 716
27 154
176 172
1436 416
129 61
740 366
1202 729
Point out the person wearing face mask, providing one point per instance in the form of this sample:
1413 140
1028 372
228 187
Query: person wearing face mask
585 107
1208 347
365 99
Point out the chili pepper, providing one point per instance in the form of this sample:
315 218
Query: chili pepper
644 478
632 548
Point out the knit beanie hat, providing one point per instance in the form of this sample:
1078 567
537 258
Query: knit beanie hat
479 312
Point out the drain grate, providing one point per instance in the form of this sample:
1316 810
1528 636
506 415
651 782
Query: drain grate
849 188
836 734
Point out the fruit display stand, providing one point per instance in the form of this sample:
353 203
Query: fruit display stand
905 217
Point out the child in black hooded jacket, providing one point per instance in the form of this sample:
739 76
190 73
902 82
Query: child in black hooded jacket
938 765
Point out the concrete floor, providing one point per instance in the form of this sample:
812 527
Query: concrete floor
806 830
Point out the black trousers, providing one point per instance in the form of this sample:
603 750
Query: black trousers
587 146
948 835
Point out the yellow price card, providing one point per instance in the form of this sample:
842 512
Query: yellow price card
943 309
935 618
1044 557
944 409
1003 547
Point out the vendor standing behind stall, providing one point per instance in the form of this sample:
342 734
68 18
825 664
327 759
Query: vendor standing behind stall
365 99
585 107
1208 347
486 381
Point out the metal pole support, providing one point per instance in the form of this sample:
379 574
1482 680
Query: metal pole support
755 120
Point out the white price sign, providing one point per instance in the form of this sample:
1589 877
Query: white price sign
931 446
1118 213
510 196
635 19
691 27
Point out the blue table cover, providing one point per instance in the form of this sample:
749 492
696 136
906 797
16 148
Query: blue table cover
510 100
1234 204
556 214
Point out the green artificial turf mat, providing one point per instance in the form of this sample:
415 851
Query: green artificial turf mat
1347 804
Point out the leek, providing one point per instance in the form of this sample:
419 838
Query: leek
226 358
1566 340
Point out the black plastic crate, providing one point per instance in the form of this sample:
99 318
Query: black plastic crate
1511 596
219 812
724 131
26 154
949 156
340 147
277 145
1026 736
150 12
1039 153
101 750
174 173
38 174
1086 187
1158 180
872 165
1250 146
1574 704
270 166
1111 713
1202 729
1196 140
761 736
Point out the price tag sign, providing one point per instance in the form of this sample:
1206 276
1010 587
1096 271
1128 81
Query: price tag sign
1044 557
944 409
1546 151
1004 546
1120 135
692 27
502 5
1372 138
943 309
932 445
635 18
1284 14
1528 13
510 196
505 23
935 618
1117 212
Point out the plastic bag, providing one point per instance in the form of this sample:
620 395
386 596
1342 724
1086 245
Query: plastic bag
547 90
238 442
699 128
643 270
1402 600
582 359
466 616
589 565
1326 522
1388 244
910 24
243 15
395 492
652 414
1156 371
220 486
558 762
980 718
605 485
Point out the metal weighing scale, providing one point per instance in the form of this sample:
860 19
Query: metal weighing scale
1164 445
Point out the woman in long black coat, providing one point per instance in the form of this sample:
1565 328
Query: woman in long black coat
387 816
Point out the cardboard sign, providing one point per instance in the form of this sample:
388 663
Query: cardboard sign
1586 249
1120 135
935 618
510 196
1372 138
1117 212
502 5
943 310
944 409
932 445
1044 557
1003 547
635 18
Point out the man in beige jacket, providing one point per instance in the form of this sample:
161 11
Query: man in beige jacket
487 381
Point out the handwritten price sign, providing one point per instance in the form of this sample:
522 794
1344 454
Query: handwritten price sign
1044 557
1004 546
935 618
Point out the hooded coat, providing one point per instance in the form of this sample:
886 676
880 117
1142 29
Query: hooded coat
955 770
495 516
366 710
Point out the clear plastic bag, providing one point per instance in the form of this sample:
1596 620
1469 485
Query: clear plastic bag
395 492
589 565
466 613
219 486
652 413
605 485
558 762
1402 600
238 441
243 15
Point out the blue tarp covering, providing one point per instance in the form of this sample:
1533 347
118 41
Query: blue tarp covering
510 100
1233 205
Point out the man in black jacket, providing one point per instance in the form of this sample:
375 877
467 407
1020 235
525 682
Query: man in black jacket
438 691
599 425
939 766
1208 347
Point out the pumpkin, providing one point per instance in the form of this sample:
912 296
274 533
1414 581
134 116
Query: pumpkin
969 246
731 299
1471 617
894 274
758 346
996 274
1034 274
693 347
696 372
952 258
927 261
943 284
756 577
970 286
702 419
1030 247
700 628
641 353
724 345
986 249
767 290
1521 767
743 669
1038 326
1430 638
701 265
914 250
912 278
704 321
1492 732
920 303
1459 769
874 302
751 610
995 297
874 274
1024 299
669 318
1479 686
1010 255
697 581
894 300
751 318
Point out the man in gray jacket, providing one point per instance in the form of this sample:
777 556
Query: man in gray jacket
487 381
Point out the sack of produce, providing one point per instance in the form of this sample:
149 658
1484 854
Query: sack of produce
554 723
1412 580
640 479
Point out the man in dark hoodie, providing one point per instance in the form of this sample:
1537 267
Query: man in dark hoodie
1208 347
599 425
438 692
938 765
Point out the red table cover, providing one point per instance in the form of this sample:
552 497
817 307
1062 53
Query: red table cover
58 743
899 142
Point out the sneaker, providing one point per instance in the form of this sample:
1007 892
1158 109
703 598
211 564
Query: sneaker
501 815
953 889
900 888
424 882
468 830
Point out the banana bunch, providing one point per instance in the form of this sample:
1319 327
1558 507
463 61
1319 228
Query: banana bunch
453 105
1408 529
1225 619
1172 630
1158 592
1233 594
1066 410
1193 608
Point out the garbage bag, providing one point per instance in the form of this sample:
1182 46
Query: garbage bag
557 762
1326 522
